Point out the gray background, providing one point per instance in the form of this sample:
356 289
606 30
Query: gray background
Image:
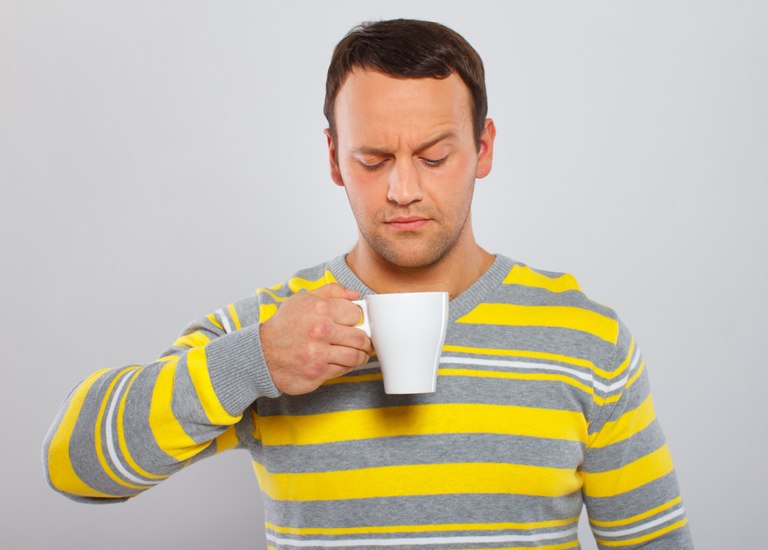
159 159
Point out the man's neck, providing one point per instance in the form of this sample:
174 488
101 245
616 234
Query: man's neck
454 273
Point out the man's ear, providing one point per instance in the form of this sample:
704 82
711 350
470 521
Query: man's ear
334 164
485 152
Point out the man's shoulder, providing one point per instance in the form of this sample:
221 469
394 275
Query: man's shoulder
557 296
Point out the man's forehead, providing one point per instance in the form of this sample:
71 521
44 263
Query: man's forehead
372 108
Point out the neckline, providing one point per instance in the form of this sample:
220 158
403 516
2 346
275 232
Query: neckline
459 306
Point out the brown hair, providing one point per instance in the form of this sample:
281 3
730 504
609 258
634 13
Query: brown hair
407 48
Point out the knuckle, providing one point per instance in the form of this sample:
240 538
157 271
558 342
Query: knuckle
315 370
319 331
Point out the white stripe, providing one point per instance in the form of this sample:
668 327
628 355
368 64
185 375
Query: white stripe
421 541
642 527
110 442
525 365
224 320
514 364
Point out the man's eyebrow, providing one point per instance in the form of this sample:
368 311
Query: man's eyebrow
376 151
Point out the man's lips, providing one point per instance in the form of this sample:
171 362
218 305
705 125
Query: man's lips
408 223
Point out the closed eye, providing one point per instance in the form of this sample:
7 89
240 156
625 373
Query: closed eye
372 167
434 162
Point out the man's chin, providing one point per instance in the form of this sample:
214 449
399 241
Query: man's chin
411 258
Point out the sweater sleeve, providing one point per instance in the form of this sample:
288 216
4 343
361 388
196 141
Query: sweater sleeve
123 430
629 483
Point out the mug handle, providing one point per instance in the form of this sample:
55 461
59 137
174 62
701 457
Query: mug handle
364 325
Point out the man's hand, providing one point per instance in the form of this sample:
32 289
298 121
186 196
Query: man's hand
312 339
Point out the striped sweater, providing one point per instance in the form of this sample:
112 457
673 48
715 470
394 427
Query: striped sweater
542 405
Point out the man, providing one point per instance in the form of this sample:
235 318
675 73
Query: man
542 401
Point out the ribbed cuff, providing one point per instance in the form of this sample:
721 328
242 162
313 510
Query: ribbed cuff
238 369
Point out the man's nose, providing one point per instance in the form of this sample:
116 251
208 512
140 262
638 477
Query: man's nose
404 184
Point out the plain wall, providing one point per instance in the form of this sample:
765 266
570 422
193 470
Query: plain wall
159 159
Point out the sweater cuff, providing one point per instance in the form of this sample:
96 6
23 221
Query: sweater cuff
238 370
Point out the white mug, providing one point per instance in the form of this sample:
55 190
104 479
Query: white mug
408 332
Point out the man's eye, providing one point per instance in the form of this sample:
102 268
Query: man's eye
434 162
372 167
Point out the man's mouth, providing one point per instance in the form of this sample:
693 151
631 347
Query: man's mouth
407 223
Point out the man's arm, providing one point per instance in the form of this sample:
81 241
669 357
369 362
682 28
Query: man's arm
630 488
122 431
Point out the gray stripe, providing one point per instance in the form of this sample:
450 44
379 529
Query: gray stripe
633 502
248 311
423 510
615 456
432 449
450 390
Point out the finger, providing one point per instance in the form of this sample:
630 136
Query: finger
351 337
345 312
346 358
335 290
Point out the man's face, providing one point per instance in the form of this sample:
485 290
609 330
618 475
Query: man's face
405 153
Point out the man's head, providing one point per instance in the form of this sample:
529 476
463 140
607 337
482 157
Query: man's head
404 48
407 147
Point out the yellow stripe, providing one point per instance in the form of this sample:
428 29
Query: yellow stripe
380 529
630 476
607 401
121 434
227 440
60 469
420 479
170 436
298 284
630 423
97 434
233 314
212 318
312 429
271 293
192 340
638 517
266 311
644 538
353 378
522 353
544 316
197 366
525 276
